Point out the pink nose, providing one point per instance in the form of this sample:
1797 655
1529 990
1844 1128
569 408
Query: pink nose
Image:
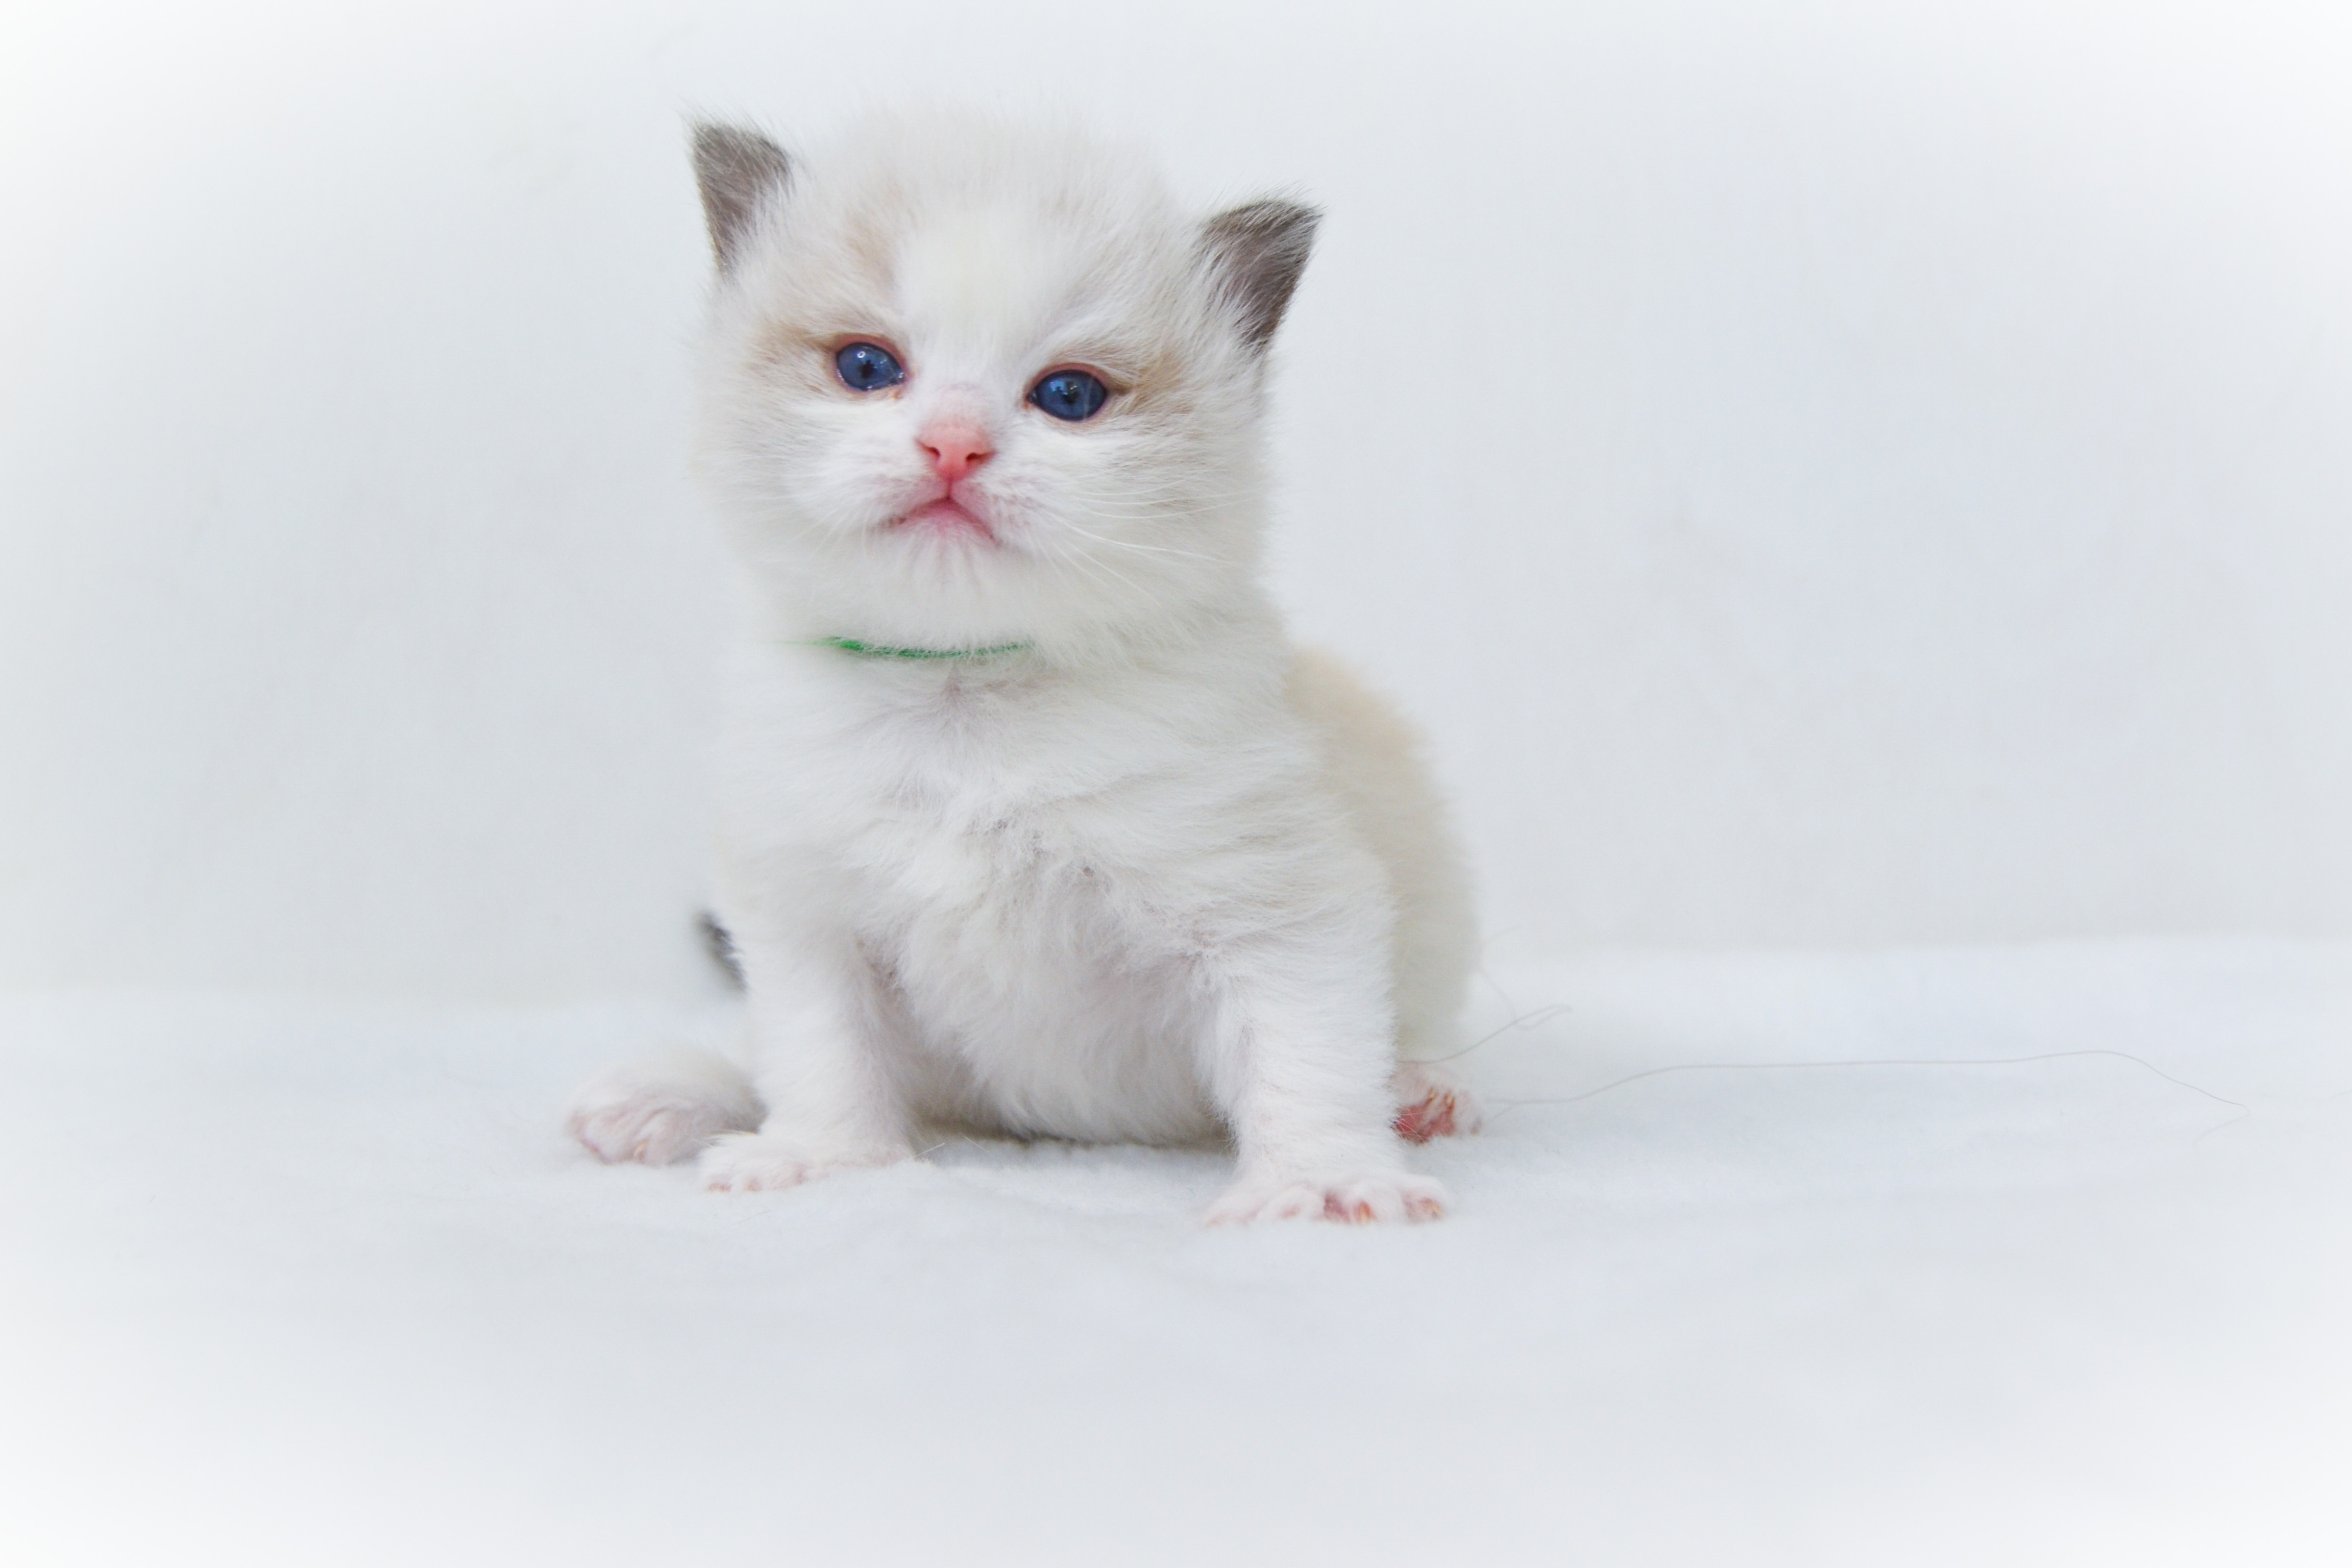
956 447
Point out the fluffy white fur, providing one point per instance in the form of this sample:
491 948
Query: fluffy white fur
1151 875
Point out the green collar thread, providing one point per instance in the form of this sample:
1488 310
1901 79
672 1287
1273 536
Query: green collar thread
882 650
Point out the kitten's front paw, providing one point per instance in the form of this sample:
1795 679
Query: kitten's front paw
759 1162
1350 1200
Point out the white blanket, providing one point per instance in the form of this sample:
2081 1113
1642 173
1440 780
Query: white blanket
2034 1255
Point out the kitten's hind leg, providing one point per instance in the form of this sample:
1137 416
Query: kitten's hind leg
1430 1104
662 1109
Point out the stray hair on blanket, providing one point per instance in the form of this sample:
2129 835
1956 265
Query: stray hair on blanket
1524 1021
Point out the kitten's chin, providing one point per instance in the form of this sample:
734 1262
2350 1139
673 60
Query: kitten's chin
944 520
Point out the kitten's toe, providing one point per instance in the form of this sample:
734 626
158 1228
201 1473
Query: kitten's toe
662 1110
759 1162
1350 1199
1430 1104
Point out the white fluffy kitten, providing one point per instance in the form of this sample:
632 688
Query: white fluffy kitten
1031 818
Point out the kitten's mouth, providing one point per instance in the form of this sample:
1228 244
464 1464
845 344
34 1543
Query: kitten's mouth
946 518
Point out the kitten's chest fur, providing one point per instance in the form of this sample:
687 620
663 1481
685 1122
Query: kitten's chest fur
1031 991
1028 869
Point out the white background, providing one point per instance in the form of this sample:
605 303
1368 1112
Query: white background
1825 475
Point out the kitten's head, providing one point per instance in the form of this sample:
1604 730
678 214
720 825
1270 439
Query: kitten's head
968 383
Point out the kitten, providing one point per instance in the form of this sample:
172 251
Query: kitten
1031 819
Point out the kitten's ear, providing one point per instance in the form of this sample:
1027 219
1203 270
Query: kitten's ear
1254 255
737 170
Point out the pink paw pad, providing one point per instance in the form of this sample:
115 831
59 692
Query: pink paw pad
1429 1106
1430 1117
1417 1205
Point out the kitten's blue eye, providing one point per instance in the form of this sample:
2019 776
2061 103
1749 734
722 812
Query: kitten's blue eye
1071 395
868 367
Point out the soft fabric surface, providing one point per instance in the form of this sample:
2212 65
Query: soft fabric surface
2021 1256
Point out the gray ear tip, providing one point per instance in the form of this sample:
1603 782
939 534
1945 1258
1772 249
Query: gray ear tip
718 145
1275 217
1296 221
720 133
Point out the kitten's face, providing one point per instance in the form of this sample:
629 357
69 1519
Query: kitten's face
969 386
